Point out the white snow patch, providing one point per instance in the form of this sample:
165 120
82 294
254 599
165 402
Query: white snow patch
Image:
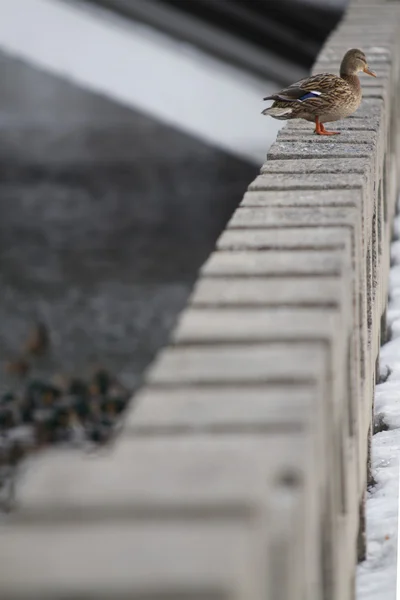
377 576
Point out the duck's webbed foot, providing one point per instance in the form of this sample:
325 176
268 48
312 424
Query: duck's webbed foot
320 129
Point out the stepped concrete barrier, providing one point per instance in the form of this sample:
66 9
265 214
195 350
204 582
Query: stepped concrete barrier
241 468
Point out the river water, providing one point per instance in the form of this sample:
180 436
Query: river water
105 218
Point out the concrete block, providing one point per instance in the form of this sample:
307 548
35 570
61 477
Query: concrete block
321 210
376 91
297 228
245 237
316 181
346 136
305 197
284 235
277 324
274 227
167 476
302 149
370 107
253 325
316 165
225 411
271 194
271 184
219 410
302 227
326 173
247 364
289 291
360 360
357 122
121 560
238 479
271 263
318 216
252 365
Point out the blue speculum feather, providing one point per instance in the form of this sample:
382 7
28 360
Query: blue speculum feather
309 95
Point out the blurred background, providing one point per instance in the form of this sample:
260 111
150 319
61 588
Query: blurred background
129 131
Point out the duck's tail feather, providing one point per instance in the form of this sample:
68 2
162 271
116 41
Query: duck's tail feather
277 111
282 96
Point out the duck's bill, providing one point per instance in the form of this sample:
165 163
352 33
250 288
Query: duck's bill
368 72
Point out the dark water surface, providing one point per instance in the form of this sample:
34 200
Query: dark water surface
105 218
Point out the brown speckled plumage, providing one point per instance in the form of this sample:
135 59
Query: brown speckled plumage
322 98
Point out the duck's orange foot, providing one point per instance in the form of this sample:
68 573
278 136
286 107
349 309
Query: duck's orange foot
320 129
324 132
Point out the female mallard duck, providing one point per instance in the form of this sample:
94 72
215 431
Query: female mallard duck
323 98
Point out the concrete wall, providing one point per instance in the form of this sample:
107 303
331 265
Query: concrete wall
242 466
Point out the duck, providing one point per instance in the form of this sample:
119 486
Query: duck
323 98
38 340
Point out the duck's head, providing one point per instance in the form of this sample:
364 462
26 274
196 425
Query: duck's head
355 61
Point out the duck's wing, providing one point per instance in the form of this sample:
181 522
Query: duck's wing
316 87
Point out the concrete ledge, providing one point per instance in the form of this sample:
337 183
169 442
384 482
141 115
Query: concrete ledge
242 463
216 561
